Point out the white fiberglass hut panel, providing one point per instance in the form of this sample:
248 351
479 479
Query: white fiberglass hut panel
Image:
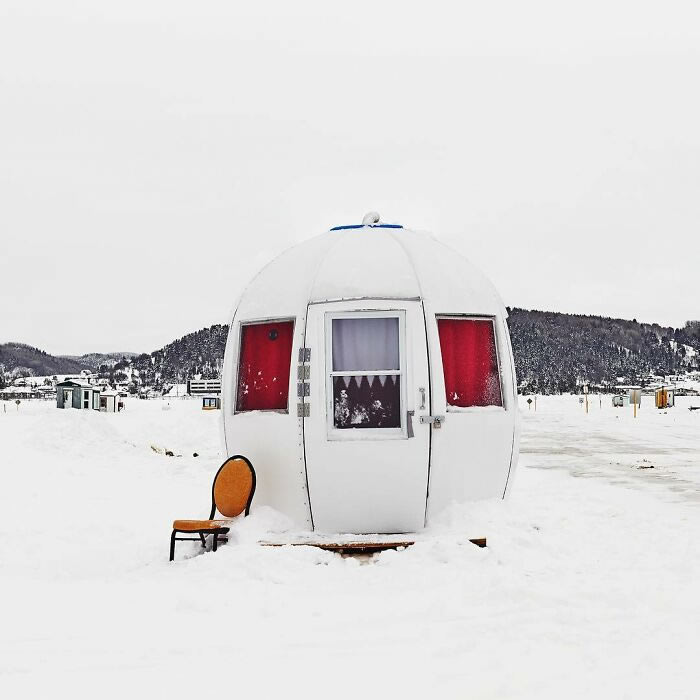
271 436
476 446
365 263
473 449
400 388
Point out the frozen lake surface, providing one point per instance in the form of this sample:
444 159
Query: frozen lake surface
588 588
658 448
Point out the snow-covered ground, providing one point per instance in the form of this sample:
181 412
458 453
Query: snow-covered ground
589 586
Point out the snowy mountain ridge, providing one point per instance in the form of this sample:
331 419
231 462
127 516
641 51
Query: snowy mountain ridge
94 360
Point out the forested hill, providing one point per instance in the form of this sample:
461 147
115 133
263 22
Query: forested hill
197 354
553 350
18 359
94 360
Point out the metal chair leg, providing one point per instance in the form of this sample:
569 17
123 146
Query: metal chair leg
213 547
204 542
172 546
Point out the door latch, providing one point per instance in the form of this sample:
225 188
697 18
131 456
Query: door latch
436 421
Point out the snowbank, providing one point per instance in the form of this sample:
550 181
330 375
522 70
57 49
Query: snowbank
588 587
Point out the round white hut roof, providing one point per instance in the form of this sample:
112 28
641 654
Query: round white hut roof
378 261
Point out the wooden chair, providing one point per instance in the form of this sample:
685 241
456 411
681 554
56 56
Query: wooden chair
231 494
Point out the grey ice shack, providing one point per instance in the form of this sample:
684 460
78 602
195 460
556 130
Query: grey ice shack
75 394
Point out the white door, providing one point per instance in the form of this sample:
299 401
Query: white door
366 452
67 398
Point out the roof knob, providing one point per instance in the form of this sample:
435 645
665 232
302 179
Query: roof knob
370 218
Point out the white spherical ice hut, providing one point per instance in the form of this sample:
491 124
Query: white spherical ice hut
369 378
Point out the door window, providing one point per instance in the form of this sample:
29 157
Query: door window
470 362
365 380
86 399
263 366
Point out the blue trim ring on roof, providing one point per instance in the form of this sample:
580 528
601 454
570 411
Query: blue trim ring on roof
345 228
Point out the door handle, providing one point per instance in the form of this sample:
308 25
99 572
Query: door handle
422 399
409 423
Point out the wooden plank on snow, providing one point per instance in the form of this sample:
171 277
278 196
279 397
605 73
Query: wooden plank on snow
359 547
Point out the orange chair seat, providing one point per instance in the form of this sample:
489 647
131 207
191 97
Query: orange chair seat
194 525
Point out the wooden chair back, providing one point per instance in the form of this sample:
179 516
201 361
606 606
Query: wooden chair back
233 488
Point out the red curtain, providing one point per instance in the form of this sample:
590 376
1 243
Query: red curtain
263 368
469 362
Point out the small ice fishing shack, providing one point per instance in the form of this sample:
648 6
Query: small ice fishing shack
664 397
369 377
72 393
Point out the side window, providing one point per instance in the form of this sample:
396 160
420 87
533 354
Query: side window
264 360
470 362
366 372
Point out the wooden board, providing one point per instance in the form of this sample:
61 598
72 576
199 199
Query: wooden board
359 547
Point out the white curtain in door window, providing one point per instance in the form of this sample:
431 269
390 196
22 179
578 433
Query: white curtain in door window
362 344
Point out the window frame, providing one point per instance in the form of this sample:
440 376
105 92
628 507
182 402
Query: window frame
258 322
449 408
334 433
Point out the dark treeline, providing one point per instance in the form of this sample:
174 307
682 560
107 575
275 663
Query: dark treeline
20 360
553 353
198 353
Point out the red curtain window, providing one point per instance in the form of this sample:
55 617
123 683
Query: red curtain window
263 367
469 362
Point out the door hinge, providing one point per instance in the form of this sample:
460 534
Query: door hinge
303 410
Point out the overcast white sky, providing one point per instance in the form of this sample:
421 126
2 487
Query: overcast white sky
154 154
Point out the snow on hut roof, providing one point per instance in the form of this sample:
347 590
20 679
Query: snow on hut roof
370 262
76 383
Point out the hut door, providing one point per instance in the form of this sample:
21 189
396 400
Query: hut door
366 453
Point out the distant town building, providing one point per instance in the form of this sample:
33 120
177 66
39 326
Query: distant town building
198 387
12 393
73 393
111 401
